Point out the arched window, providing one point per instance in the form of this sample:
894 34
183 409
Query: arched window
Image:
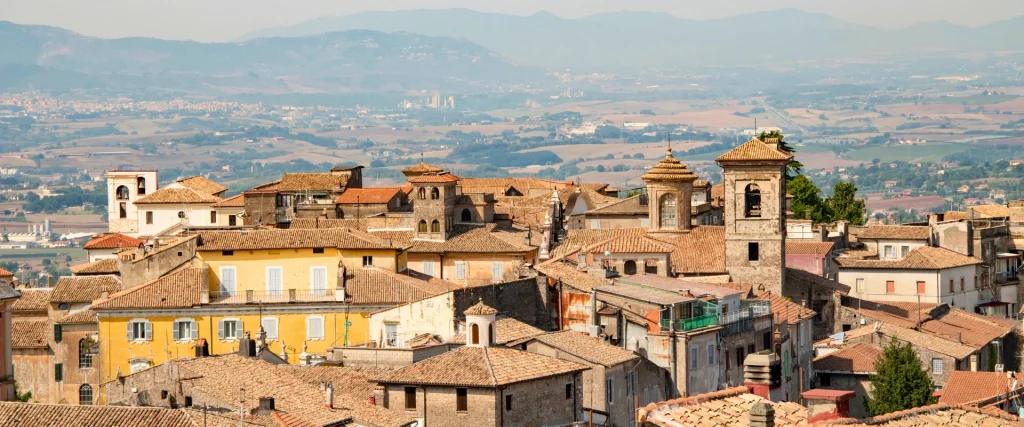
467 216
435 193
421 193
140 185
668 211
752 201
122 193
423 226
629 267
84 356
435 227
474 332
85 394
181 214
490 330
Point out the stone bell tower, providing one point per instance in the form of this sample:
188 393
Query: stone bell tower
669 189
755 213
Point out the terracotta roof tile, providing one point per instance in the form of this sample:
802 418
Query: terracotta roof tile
78 289
701 250
5 273
754 149
488 238
177 195
967 387
288 239
980 212
113 241
81 316
784 310
302 223
372 285
422 168
30 333
630 244
629 206
855 358
480 309
440 178
922 258
237 201
669 169
179 289
724 408
902 232
643 293
365 196
498 186
328 182
506 330
32 300
680 285
944 415
39 415
202 184
566 271
808 248
581 345
798 278
480 367
103 266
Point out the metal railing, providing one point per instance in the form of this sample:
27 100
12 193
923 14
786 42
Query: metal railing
748 309
690 324
285 295
1006 276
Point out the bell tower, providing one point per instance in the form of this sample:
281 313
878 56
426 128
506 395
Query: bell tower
124 188
669 189
480 325
755 213
433 204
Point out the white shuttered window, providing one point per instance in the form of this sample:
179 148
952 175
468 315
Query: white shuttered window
315 328
318 280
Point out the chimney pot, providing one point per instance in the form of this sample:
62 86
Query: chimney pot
825 404
762 414
329 396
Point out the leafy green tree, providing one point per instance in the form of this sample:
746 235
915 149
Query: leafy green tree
19 397
844 205
900 382
795 166
806 202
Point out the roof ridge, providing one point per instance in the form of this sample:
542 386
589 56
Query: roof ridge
490 368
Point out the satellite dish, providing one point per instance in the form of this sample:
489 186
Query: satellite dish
607 253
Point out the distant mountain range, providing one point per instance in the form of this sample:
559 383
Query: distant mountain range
337 62
638 40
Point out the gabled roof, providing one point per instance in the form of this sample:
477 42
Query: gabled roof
630 244
754 150
177 195
628 206
498 186
724 408
27 333
506 330
979 387
488 238
79 289
896 232
699 251
368 195
592 350
237 240
81 316
784 310
643 293
808 248
237 201
179 289
480 367
371 285
669 169
202 184
40 415
32 300
5 273
113 241
566 271
102 266
440 178
480 309
922 258
680 285
798 278
856 358
324 182
422 168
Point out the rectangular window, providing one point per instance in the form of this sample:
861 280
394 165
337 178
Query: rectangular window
315 328
496 268
595 224
185 330
228 280
645 222
904 250
568 391
694 354
727 360
270 327
213 217
890 287
936 366
410 398
275 277
58 372
647 396
860 284
367 261
889 251
58 333
428 267
766 340
140 330
951 288
149 217
920 288
229 329
711 354
508 402
824 380
961 284
750 349
739 357
318 250
227 253
232 220
609 390
318 280
461 399
460 270
752 251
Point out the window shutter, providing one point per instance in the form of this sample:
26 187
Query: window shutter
220 329
238 329
58 372
496 271
309 328
460 270
227 280
270 327
131 327
149 331
428 267
57 333
195 330
176 334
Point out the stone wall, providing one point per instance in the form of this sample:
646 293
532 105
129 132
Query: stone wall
140 268
949 364
260 208
767 230
856 383
33 373
525 300
384 358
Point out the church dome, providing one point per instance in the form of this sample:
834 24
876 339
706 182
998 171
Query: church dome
669 169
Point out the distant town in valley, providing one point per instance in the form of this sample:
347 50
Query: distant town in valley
451 218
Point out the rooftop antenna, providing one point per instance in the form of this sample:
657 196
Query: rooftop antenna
669 143
755 127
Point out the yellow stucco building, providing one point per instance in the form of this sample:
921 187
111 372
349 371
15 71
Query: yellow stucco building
308 290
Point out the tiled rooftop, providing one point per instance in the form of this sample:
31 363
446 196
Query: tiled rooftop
237 201
754 150
581 345
480 367
342 238
725 408
808 248
488 238
179 289
785 310
699 251
103 266
322 182
922 258
27 333
32 300
422 168
565 270
377 286
898 232
113 241
441 178
177 195
78 289
506 330
669 169
854 358
202 184
981 388
39 415
364 196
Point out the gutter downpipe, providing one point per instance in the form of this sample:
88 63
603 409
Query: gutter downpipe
672 344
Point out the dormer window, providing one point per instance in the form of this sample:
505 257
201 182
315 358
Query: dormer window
752 201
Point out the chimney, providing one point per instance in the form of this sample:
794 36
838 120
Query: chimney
49 281
202 349
762 414
823 404
772 142
378 396
762 372
247 346
266 406
329 396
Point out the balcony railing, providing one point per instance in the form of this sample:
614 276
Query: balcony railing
690 324
282 296
1005 276
748 309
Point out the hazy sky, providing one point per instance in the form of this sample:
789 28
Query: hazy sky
218 20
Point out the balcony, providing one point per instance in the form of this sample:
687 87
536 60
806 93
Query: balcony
690 324
1006 276
283 296
742 320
